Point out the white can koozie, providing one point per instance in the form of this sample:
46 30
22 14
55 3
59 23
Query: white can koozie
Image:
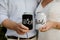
40 19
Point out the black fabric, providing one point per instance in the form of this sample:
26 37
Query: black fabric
2 33
13 37
3 30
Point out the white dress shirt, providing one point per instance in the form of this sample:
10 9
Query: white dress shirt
13 10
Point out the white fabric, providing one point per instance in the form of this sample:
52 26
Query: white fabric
57 0
11 39
52 11
39 8
13 10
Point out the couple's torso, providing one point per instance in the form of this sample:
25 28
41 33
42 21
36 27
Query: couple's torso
16 9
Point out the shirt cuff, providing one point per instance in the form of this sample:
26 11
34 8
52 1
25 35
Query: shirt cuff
39 8
2 18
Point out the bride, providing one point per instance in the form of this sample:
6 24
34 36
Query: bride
52 9
57 0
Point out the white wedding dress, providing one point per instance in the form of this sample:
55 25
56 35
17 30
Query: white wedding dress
58 0
54 13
